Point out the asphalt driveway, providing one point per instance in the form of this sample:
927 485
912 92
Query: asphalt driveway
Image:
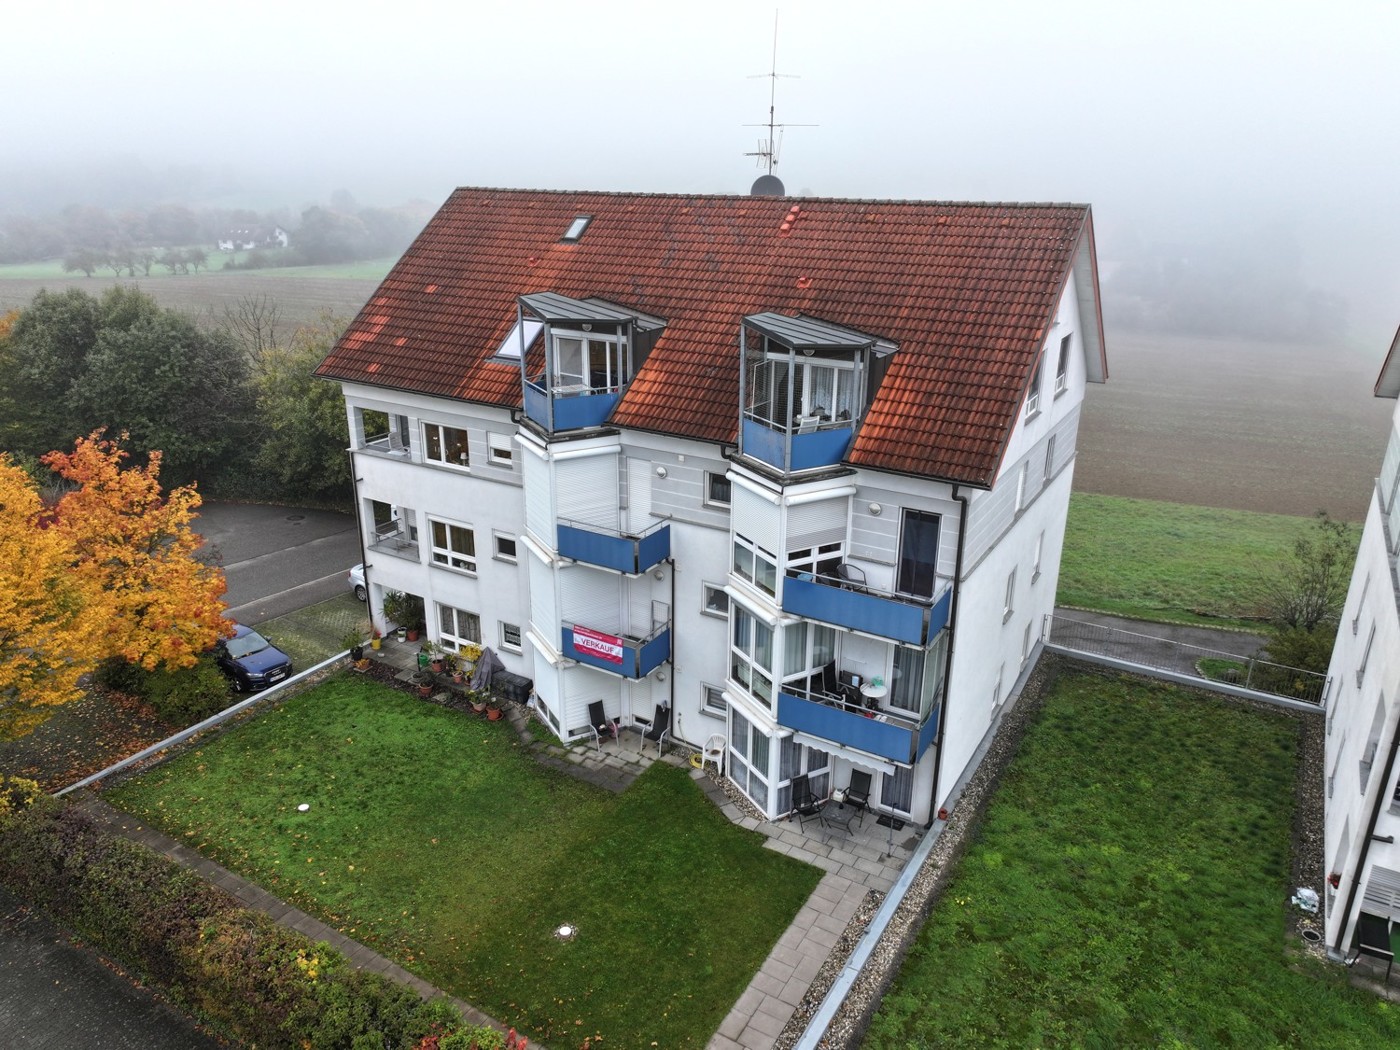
277 559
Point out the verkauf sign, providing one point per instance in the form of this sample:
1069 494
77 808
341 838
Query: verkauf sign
604 646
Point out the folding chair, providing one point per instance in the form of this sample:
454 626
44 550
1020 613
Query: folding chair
600 723
804 805
658 729
858 792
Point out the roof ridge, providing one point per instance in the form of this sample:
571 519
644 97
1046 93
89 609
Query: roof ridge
661 195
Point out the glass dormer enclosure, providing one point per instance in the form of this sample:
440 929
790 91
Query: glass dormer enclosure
590 353
802 389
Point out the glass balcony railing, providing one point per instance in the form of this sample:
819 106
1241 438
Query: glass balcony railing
619 655
881 733
625 552
842 603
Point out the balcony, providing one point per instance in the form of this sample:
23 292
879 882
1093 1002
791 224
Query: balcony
877 733
571 406
392 537
622 656
804 446
856 607
623 552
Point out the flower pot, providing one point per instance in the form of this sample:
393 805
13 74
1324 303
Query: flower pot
438 664
357 653
458 678
401 633
374 643
478 706
493 713
413 634
425 690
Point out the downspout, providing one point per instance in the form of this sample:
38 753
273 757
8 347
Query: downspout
948 661
671 679
1366 841
360 532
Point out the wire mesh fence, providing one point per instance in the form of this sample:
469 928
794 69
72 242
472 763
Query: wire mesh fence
1241 666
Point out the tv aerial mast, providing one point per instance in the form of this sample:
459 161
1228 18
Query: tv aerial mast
769 148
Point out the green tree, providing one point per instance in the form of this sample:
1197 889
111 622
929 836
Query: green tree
303 418
83 260
49 343
1302 600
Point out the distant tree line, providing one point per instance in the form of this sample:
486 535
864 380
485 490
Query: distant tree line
89 239
231 404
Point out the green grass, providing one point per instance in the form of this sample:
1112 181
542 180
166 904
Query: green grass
435 839
1170 561
1127 888
368 269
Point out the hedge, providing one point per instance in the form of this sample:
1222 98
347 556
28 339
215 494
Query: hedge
235 969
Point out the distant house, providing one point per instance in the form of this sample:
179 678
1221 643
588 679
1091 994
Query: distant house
791 473
1363 716
253 237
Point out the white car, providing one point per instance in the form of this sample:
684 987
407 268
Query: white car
356 576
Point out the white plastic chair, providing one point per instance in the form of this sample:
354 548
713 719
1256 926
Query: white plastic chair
714 752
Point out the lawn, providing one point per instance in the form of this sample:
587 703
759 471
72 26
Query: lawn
368 269
1170 561
436 839
1127 888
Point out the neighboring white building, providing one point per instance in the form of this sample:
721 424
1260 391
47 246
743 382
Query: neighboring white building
255 237
1363 715
796 470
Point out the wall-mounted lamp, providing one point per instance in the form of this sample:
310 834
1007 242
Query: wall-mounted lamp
661 676
658 573
587 327
660 472
876 509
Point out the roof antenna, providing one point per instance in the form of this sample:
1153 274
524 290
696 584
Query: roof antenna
770 185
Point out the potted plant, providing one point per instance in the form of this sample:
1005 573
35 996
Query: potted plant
426 680
459 671
493 707
477 699
437 657
375 638
406 610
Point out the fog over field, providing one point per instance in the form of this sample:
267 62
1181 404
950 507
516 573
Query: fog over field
1239 156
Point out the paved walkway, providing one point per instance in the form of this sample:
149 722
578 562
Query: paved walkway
1166 645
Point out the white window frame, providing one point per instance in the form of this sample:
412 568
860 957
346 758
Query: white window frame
746 666
710 478
1033 394
1039 552
463 460
712 700
1009 602
500 450
507 645
1022 485
748 561
1360 604
455 637
1062 366
1026 642
500 555
610 349
1365 655
1049 458
811 559
709 591
449 556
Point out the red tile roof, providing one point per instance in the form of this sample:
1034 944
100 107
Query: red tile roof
966 290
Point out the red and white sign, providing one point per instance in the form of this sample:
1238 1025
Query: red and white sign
605 646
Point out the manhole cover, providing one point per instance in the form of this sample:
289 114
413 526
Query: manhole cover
296 517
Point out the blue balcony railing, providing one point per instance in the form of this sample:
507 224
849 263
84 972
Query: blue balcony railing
860 608
629 658
573 409
879 734
824 447
625 552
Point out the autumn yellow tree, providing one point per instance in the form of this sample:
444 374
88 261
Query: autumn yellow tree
163 605
49 615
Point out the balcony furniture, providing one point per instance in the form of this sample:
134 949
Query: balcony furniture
804 804
657 728
852 577
1373 939
840 815
858 792
600 724
713 751
873 694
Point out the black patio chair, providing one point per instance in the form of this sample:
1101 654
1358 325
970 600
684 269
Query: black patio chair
858 792
658 729
1373 939
601 724
804 804
852 577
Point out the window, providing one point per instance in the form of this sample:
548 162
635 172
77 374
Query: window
445 445
505 547
454 546
716 601
712 700
1021 480
510 345
457 627
1009 605
753 563
510 637
589 364
897 789
820 560
576 228
1026 642
1373 742
1365 656
1050 458
807 647
1360 604
1062 367
916 678
996 689
1039 548
751 654
820 392
716 489
749 749
794 759
918 554
502 452
1033 393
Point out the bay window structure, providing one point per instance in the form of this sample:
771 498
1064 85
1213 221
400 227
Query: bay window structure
749 755
751 654
444 445
756 565
454 546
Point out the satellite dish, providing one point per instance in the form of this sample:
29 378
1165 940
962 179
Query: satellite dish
767 186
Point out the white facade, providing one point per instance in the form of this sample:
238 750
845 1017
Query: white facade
480 511
1363 718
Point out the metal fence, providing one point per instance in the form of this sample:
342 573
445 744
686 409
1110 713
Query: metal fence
1241 667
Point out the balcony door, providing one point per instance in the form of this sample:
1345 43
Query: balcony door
918 554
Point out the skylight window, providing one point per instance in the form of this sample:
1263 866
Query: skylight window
510 345
576 228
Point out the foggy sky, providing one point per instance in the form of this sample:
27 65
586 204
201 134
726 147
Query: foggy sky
1181 120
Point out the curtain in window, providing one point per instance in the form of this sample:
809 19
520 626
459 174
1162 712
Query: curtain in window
897 790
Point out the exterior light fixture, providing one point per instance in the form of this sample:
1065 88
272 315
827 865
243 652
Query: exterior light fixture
876 509
661 472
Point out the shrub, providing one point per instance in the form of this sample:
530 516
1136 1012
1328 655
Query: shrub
17 793
122 677
190 694
250 978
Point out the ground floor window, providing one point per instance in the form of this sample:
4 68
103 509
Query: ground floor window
897 789
748 766
510 637
795 759
457 627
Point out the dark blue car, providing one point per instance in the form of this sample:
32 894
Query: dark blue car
251 661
